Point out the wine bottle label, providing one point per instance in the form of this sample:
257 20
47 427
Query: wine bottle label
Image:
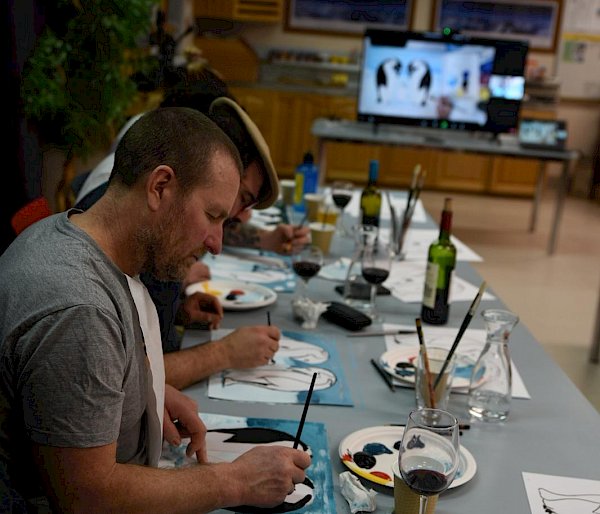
431 278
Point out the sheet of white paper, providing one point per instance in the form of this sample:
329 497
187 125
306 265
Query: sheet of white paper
561 495
407 279
399 203
417 241
471 344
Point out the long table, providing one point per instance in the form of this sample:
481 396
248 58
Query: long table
326 130
555 432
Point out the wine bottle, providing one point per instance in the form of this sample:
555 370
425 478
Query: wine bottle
441 260
370 200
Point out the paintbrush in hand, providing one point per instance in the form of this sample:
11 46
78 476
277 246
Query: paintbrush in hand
306 404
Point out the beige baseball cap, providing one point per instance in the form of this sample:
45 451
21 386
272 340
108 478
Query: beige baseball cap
269 192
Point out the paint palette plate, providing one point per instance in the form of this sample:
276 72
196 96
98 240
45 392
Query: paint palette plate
235 295
400 363
378 448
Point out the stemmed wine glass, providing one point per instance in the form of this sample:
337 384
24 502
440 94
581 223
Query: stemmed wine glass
429 453
376 263
341 193
307 263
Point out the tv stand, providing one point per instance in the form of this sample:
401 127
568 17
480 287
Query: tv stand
389 135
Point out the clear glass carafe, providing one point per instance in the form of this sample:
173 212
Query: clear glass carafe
490 389
357 291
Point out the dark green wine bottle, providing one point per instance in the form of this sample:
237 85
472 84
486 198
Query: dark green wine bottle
370 200
441 260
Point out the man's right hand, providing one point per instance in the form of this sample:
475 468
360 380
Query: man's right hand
281 468
249 347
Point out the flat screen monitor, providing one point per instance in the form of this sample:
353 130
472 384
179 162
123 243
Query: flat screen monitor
448 82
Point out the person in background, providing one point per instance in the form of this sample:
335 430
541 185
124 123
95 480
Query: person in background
83 402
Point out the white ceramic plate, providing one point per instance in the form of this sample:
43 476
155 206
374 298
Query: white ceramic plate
400 362
234 295
382 443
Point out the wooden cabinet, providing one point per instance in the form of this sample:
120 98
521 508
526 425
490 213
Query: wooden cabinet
511 175
285 119
266 11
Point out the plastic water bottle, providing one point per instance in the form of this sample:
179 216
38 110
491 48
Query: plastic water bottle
307 180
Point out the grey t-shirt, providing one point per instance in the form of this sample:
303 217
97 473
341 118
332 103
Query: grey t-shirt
72 357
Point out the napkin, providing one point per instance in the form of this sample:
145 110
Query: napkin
358 497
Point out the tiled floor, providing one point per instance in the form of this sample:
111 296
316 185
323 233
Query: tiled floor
555 295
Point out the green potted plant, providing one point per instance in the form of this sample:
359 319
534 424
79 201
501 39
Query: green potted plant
77 84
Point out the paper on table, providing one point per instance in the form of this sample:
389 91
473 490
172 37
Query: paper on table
471 344
286 379
561 495
407 279
399 203
253 268
417 241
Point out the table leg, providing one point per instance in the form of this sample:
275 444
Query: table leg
539 186
561 193
595 349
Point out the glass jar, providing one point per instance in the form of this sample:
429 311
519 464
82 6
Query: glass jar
490 388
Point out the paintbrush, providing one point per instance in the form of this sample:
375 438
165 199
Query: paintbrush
306 404
461 330
384 375
425 359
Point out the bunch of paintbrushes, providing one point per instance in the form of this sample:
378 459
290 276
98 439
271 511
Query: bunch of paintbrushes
400 225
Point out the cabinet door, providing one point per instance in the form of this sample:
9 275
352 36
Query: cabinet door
266 11
350 161
461 171
398 163
514 176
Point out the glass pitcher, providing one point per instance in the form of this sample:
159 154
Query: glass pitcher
490 388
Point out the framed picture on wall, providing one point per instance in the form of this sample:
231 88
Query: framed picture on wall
535 21
347 17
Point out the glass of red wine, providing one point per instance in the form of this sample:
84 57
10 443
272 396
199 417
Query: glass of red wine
376 262
429 453
307 263
341 193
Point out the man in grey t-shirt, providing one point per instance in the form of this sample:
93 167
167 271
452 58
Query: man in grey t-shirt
74 405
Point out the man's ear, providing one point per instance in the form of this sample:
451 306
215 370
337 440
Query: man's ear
160 185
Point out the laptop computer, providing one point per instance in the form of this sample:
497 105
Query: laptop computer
542 134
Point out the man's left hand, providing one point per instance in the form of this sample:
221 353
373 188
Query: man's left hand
182 420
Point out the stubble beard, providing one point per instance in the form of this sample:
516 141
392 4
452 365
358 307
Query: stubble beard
160 246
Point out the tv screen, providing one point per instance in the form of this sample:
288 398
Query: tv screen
431 80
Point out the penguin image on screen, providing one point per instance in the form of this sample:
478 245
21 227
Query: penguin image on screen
387 73
419 82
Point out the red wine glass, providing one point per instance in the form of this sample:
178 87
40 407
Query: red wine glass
429 453
341 194
376 263
307 263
